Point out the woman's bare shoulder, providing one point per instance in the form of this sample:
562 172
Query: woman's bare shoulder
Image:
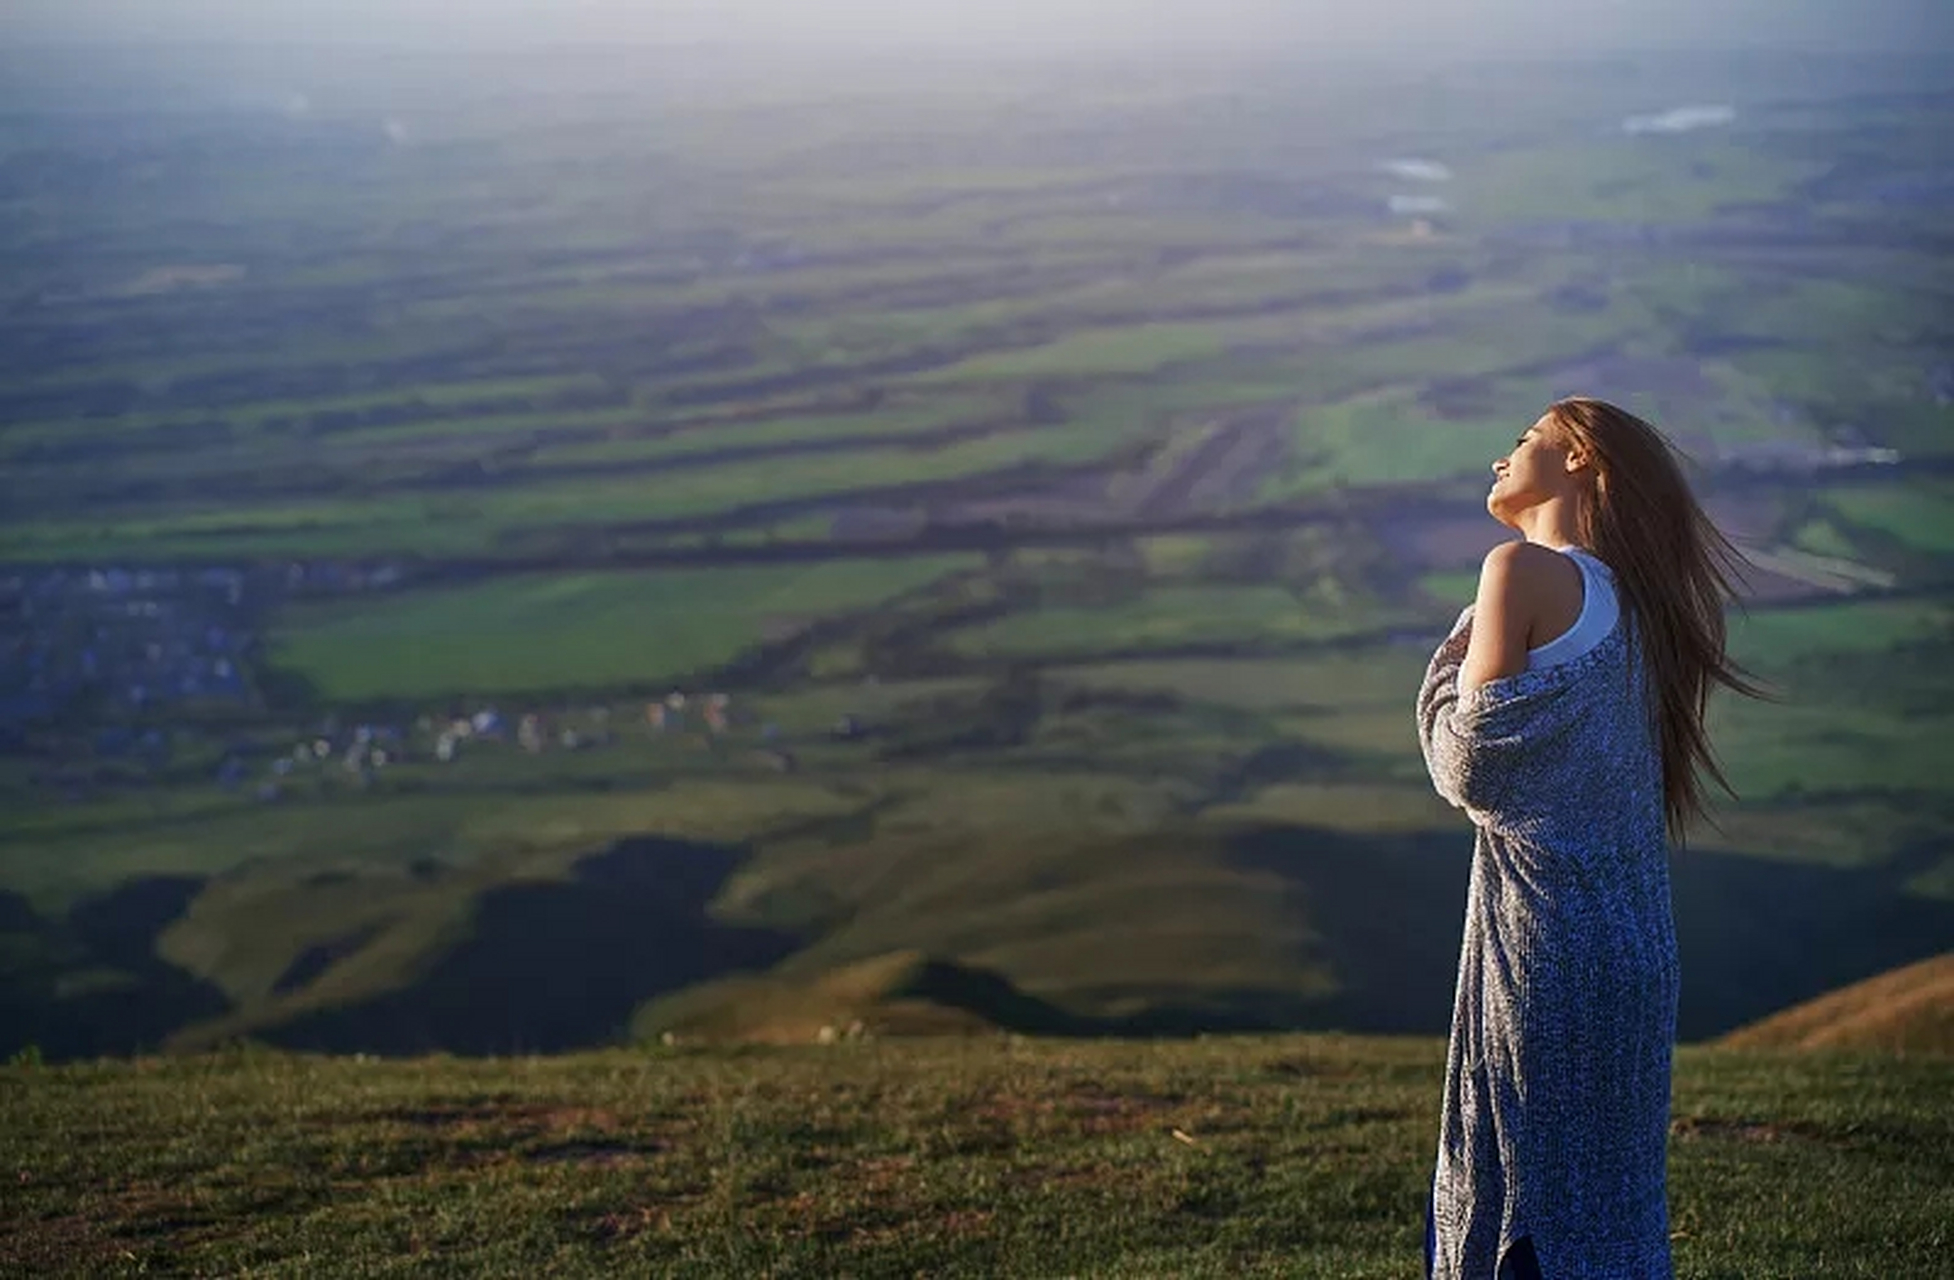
1527 569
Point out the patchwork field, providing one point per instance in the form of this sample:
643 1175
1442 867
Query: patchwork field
494 573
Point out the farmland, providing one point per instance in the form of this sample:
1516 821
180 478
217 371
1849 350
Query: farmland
998 519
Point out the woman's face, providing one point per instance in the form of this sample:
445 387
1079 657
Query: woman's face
1538 468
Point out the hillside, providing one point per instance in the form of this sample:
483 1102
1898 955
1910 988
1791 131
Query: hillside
1022 920
904 993
1292 1155
1907 1010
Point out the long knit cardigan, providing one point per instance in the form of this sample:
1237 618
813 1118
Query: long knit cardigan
1556 1104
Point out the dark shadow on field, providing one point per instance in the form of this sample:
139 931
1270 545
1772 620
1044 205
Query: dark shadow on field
92 984
1388 913
1759 935
1755 935
559 965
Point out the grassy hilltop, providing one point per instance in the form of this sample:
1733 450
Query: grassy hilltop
1908 1010
524 568
1287 1155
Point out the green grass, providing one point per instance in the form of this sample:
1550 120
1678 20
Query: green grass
1065 888
1815 310
1353 705
1175 555
476 521
1129 350
489 428
308 873
1824 538
247 929
1092 312
1180 614
574 631
1919 515
1817 745
453 395
893 421
1774 639
1648 179
1862 698
1296 1156
1316 682
1385 438
1364 807
1455 589
482 809
1387 435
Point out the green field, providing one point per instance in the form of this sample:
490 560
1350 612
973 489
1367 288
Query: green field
1062 478
1921 517
1293 1156
586 631
1168 616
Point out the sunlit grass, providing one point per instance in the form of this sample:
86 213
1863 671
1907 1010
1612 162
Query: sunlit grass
1296 1156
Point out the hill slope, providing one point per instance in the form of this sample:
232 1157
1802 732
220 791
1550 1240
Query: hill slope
1029 927
1909 1009
902 993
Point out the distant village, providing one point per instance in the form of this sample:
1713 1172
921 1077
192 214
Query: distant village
118 643
363 751
113 644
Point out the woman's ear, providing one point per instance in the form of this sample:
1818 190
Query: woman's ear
1577 458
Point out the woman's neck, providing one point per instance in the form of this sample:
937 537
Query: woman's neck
1554 523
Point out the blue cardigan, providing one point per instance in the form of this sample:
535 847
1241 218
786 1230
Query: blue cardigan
1556 1111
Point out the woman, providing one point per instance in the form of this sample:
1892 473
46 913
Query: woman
1564 714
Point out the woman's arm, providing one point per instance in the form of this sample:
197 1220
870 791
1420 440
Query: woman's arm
1477 741
1517 582
1469 750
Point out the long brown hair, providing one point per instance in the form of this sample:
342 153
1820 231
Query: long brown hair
1676 572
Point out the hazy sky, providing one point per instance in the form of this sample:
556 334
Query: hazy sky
1034 24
